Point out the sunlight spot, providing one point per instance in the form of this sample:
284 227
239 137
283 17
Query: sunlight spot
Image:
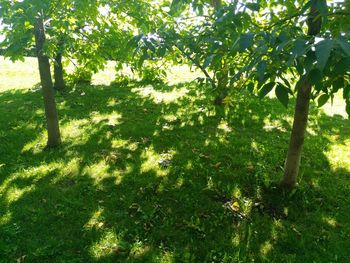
336 107
201 120
71 168
74 128
254 146
33 174
236 240
40 112
311 131
158 96
110 119
5 218
98 171
133 146
112 102
35 146
96 220
207 142
331 221
138 250
339 155
189 165
167 257
223 125
179 182
237 192
154 161
119 143
270 125
108 244
265 248
14 193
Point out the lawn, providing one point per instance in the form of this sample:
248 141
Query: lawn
156 173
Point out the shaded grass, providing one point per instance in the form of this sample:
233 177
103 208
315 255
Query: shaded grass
147 174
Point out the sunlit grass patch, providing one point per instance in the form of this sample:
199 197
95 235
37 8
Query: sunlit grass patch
339 154
161 96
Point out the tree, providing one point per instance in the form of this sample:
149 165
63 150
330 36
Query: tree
292 164
266 48
314 58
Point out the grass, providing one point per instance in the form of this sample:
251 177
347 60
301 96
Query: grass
157 174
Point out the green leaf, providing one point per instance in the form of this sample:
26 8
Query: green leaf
253 6
346 92
207 61
306 6
161 51
246 41
344 44
282 94
142 59
342 66
322 100
299 48
261 69
250 87
177 6
266 89
322 7
338 84
315 76
348 107
309 60
323 52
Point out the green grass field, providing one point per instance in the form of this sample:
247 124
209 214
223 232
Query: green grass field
157 174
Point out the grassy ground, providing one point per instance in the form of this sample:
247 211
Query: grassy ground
157 174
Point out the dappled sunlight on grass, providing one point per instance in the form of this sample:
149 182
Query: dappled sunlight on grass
152 161
162 175
331 222
15 193
96 220
76 130
5 218
160 96
338 154
108 244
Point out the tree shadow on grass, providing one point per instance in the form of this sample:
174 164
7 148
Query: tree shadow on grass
150 175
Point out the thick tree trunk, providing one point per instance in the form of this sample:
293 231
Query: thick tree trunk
58 72
54 138
292 165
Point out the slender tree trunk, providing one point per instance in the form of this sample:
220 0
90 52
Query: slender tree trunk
298 135
58 72
54 138
301 114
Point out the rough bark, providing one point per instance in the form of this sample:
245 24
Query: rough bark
291 169
54 138
58 73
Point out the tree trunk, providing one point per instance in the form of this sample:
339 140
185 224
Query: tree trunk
301 114
58 71
54 138
298 134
